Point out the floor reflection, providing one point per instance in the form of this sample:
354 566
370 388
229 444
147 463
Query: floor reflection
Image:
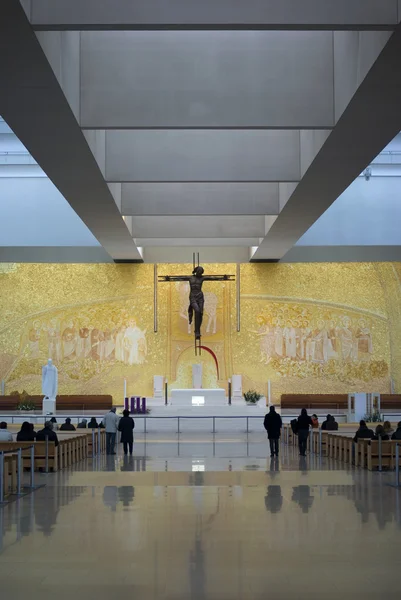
113 494
203 527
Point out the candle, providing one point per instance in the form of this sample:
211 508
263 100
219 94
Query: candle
269 392
125 388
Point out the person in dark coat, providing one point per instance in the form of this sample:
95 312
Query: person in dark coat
381 433
324 424
47 433
93 424
273 425
67 426
304 422
331 424
126 427
397 433
363 432
26 433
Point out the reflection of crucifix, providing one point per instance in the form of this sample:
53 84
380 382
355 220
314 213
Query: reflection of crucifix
196 298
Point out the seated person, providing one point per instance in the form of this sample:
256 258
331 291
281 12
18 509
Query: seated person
67 426
387 428
26 433
5 436
101 425
315 422
324 424
82 424
47 433
93 423
53 420
331 424
380 432
397 434
363 432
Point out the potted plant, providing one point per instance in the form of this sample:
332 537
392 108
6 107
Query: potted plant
251 397
26 406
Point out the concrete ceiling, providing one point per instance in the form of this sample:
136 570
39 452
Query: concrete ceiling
220 126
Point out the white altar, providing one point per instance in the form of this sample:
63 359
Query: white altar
198 397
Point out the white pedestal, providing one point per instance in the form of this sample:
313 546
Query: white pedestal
196 397
49 406
236 389
158 386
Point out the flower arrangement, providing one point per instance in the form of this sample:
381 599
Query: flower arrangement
252 397
26 405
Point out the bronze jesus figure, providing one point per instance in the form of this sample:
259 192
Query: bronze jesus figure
196 298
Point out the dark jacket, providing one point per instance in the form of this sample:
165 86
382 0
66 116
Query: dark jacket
397 434
331 426
126 426
26 436
47 433
364 434
93 424
304 421
273 425
67 427
384 437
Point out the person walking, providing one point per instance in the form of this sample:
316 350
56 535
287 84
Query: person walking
273 425
111 426
304 422
126 427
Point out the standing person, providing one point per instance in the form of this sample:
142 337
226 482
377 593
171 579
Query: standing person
126 427
5 436
304 422
273 425
111 426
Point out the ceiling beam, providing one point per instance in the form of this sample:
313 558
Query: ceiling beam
34 106
369 122
209 14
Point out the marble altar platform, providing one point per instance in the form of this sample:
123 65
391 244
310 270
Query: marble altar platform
209 398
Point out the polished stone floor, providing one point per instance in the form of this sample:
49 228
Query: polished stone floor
203 518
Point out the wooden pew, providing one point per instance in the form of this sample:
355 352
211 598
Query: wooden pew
387 455
390 402
314 401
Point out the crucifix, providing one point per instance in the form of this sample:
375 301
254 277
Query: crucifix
196 298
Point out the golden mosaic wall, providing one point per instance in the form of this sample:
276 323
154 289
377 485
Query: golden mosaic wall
304 327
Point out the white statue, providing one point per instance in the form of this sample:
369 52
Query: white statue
49 386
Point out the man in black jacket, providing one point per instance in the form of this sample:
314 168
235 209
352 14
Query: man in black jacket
273 425
397 434
47 433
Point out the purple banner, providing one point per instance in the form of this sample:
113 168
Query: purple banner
126 404
132 404
144 405
138 404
